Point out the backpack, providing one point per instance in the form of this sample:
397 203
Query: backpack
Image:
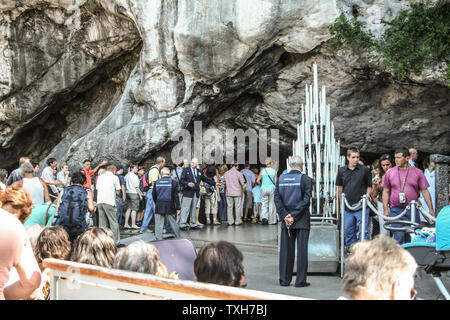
209 189
145 184
72 211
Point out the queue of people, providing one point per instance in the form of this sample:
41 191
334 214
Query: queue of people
64 205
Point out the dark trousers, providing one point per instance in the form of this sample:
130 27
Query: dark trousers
223 207
287 255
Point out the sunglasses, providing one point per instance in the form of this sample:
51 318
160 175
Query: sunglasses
385 157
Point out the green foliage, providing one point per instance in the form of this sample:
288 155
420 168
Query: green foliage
350 34
416 38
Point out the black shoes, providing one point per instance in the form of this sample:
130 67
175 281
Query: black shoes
184 228
265 222
304 284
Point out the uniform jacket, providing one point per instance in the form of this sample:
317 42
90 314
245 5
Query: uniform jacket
187 177
165 195
293 196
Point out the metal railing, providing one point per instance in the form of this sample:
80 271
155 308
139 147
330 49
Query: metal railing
413 206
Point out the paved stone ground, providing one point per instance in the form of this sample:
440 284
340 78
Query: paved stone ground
259 246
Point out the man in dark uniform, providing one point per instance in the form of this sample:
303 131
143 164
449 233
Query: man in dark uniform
167 203
292 199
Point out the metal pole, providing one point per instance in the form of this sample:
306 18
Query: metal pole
363 220
342 235
413 205
442 288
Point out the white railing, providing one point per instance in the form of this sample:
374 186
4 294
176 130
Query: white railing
77 281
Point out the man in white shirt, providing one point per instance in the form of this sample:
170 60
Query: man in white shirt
108 186
133 196
49 177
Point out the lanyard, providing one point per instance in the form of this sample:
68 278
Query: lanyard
402 186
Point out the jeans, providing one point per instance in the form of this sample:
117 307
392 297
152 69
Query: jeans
149 211
353 219
400 236
223 207
119 210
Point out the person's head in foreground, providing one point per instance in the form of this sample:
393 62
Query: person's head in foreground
96 247
138 257
17 201
220 263
142 257
53 242
379 269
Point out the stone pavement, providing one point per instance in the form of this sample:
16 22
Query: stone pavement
258 244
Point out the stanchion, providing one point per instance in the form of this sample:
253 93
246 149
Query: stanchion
342 235
363 219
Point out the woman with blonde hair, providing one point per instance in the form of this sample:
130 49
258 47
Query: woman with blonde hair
96 247
17 201
53 242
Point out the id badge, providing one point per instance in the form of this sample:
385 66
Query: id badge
402 197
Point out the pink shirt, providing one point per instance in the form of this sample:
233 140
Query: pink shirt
234 180
13 239
415 181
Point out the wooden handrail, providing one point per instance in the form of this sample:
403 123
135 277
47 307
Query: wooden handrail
200 289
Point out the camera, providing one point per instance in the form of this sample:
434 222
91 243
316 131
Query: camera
402 197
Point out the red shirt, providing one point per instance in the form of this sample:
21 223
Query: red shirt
88 174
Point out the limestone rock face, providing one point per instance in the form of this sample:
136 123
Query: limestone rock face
113 79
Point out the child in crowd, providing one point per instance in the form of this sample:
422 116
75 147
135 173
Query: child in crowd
256 200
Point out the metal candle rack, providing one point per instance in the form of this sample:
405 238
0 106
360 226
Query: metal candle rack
320 151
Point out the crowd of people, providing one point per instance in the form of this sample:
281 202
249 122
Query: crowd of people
78 214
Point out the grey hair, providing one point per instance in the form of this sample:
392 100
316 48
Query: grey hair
165 171
295 161
138 257
26 168
3 174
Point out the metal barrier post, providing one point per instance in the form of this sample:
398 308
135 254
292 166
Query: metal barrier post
342 234
363 220
413 205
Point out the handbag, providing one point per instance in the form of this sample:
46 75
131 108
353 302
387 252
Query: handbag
202 190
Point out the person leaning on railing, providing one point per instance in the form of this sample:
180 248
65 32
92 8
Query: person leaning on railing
401 185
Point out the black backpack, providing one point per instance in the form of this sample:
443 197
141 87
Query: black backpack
72 211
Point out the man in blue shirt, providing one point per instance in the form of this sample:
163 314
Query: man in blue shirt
250 179
293 193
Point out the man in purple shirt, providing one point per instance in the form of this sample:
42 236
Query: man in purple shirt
401 185
234 180
250 179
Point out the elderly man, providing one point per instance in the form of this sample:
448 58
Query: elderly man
413 154
167 203
379 269
190 179
292 199
15 174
